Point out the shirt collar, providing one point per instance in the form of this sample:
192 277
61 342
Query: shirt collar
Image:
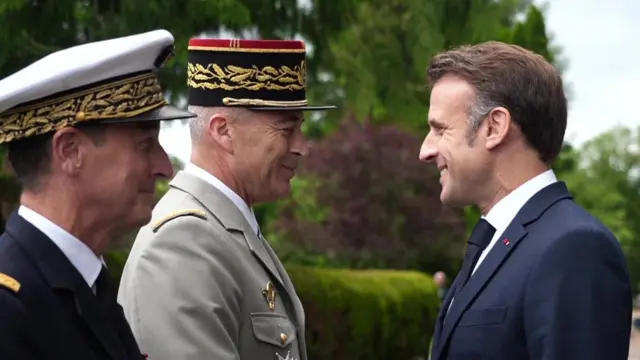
78 253
246 211
501 215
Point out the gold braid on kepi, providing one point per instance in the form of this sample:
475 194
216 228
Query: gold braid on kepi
255 74
107 81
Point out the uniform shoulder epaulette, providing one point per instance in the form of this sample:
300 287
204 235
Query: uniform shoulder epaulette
9 282
176 214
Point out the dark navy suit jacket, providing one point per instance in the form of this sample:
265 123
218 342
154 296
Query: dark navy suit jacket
554 287
54 315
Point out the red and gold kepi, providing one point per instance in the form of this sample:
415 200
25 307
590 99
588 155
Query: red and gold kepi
255 74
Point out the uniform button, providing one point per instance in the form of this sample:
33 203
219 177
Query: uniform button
283 337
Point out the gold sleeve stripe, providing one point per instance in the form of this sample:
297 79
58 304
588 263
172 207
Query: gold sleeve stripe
188 212
9 282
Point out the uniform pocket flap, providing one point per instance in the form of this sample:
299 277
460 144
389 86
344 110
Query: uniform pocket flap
274 329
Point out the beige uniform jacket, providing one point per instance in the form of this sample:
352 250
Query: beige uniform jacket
199 284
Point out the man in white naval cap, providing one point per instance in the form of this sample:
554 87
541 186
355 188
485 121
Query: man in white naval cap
82 128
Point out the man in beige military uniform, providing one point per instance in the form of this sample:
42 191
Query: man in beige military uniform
201 283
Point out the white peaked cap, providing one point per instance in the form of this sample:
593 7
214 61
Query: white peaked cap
107 81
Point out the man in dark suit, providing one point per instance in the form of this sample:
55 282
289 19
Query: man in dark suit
541 279
82 129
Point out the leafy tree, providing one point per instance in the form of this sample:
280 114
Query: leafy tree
567 162
532 34
45 26
374 53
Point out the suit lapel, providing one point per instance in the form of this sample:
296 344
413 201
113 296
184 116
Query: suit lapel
293 298
60 274
515 232
259 250
109 291
507 242
101 322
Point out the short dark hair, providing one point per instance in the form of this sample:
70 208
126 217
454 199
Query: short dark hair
30 158
517 79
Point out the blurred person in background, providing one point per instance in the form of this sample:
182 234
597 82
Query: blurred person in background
440 279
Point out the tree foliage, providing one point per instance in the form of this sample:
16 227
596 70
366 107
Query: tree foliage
374 53
33 29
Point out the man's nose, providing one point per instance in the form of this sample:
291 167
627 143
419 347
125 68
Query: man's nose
428 152
299 145
162 167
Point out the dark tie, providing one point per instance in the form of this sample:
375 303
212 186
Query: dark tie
480 238
105 287
106 294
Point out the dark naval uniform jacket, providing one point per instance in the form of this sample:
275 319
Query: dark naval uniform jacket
48 310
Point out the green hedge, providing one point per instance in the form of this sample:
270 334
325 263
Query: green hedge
366 314
358 314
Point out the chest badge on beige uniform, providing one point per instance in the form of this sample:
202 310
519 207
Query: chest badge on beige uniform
289 357
269 293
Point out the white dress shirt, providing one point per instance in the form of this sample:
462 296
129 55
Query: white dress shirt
235 198
78 253
502 213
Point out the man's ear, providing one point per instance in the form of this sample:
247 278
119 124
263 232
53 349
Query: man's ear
497 125
69 150
220 130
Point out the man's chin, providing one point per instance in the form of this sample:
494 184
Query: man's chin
141 214
444 196
283 191
140 219
449 200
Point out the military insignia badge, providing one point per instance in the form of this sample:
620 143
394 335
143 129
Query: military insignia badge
289 357
269 293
